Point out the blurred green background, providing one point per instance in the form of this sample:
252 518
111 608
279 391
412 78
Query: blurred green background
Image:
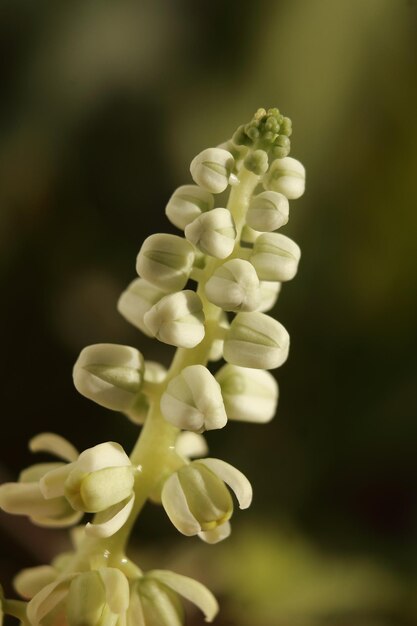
103 106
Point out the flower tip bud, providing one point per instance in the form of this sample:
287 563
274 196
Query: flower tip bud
211 169
257 162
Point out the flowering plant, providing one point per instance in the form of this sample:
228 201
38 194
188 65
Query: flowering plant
238 263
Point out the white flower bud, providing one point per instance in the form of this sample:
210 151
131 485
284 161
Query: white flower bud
177 319
275 257
193 401
211 169
256 340
136 300
286 176
191 445
234 286
269 292
187 203
250 395
214 233
268 211
109 374
165 261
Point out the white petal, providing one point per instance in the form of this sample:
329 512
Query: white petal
217 534
34 473
47 599
53 444
117 589
109 454
180 414
27 499
31 580
176 507
57 522
135 611
191 445
232 477
190 589
110 521
52 484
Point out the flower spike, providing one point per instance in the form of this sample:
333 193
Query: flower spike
205 292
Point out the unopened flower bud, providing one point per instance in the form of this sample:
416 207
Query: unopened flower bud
286 176
256 340
256 162
191 445
269 292
211 169
250 395
187 203
214 233
197 501
275 257
234 286
193 401
136 300
268 211
109 374
165 261
177 319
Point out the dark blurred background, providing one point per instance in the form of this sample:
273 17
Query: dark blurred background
103 106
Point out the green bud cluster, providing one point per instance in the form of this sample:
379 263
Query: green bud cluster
207 292
269 132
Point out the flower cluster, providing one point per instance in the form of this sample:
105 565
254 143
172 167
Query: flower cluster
206 292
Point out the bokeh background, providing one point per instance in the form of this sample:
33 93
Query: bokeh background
103 106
